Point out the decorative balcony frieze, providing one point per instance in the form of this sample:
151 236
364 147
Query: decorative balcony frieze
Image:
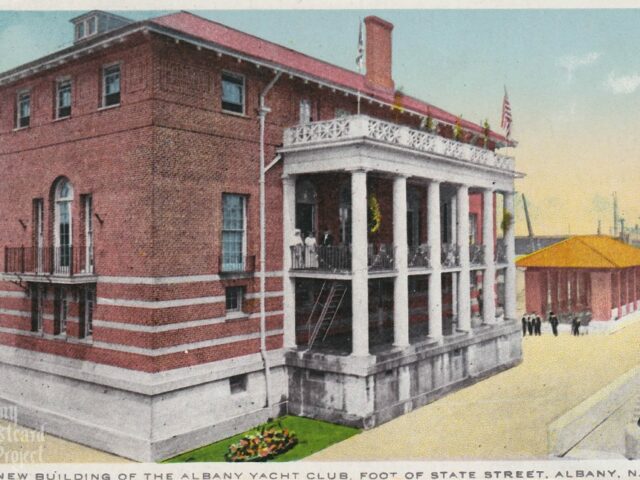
362 126
450 255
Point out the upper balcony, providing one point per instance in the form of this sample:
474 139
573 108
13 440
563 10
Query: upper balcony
344 129
62 264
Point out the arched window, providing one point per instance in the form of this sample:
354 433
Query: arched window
62 230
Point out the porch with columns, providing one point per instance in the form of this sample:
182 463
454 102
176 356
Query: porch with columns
460 339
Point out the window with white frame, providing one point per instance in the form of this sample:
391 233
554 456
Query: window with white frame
111 86
87 213
233 232
234 297
86 28
232 92
23 110
63 98
62 233
305 111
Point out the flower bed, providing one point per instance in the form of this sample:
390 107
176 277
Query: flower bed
263 445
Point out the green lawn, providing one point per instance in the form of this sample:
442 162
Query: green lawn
313 436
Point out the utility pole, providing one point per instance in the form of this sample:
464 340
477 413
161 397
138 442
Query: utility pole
599 227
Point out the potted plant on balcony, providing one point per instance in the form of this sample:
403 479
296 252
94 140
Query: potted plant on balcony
458 132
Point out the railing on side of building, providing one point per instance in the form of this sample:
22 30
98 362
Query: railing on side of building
450 255
476 254
61 260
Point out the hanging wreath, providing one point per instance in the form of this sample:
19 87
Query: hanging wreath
375 218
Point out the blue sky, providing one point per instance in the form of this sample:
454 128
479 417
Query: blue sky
573 78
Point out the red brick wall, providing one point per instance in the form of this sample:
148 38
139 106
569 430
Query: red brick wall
157 167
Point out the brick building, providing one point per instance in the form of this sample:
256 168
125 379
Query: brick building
592 276
139 313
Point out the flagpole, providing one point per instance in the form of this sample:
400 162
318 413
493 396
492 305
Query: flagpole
359 58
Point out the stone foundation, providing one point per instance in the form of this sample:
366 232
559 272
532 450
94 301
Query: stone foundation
367 391
141 416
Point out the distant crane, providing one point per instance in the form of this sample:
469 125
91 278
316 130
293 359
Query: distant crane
529 227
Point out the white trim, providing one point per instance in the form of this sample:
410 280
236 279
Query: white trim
131 327
179 302
134 380
125 280
10 294
15 313
149 352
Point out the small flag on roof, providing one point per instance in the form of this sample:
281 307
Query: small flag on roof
360 57
506 114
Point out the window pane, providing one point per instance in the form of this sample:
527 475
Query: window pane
64 99
111 86
232 93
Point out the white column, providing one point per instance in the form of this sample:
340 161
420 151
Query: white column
435 251
489 277
360 278
464 287
288 283
510 275
401 284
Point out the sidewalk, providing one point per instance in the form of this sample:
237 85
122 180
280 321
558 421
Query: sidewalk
505 416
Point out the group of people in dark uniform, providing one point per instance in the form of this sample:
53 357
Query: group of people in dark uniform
532 324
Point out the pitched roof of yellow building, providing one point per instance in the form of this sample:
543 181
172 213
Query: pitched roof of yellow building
584 251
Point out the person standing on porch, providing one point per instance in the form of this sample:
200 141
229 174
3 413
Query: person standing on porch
538 324
524 325
298 249
530 324
327 238
311 251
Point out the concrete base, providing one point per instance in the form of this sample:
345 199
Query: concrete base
565 432
145 417
632 441
365 392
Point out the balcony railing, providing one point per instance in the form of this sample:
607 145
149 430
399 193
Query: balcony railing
450 255
237 264
419 257
359 126
63 261
330 258
380 257
501 251
476 254
327 258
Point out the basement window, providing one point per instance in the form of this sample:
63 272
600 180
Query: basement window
238 384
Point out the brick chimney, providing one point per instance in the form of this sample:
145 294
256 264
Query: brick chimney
378 58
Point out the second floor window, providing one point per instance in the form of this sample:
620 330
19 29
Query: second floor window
63 99
233 93
305 111
111 86
23 110
233 233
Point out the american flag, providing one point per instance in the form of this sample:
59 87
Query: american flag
360 57
506 114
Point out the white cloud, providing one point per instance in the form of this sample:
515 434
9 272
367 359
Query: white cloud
622 84
571 63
